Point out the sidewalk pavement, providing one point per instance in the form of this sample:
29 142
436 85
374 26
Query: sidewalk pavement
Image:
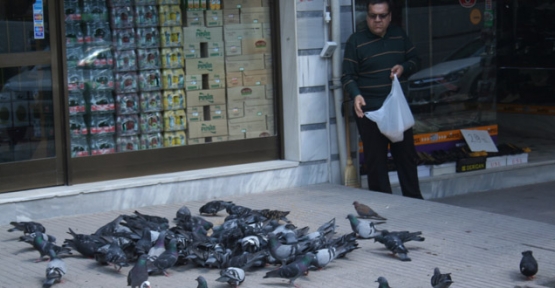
480 249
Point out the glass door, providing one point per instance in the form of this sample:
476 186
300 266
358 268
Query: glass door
31 143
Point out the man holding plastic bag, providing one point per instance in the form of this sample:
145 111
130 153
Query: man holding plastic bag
373 61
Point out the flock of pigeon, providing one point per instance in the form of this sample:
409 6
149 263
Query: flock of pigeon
247 239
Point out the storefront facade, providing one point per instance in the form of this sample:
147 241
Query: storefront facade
43 147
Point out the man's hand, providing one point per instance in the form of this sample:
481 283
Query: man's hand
359 102
396 70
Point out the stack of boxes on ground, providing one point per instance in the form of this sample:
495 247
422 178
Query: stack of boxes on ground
145 74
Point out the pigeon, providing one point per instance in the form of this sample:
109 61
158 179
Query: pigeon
41 244
441 280
55 270
274 214
382 282
86 245
201 282
159 246
27 227
232 275
145 284
293 270
182 212
112 254
363 228
366 212
394 244
139 273
528 265
143 245
323 257
405 236
161 221
167 259
213 207
285 252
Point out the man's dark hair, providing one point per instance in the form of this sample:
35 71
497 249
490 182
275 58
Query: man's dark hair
374 2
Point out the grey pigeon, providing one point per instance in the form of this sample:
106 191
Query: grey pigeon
363 228
139 273
113 228
54 271
528 265
145 284
213 207
143 245
159 246
440 280
293 270
364 211
43 245
382 282
394 244
285 252
182 213
323 257
27 227
167 259
232 275
201 282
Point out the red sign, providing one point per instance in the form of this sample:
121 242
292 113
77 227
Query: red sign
467 3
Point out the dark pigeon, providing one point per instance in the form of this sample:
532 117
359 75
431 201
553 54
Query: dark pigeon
139 273
382 282
394 244
182 213
285 252
143 245
364 211
440 280
528 265
213 207
167 259
27 227
41 244
201 282
112 254
85 244
293 270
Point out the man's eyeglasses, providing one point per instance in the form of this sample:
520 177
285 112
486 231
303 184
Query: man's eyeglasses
376 16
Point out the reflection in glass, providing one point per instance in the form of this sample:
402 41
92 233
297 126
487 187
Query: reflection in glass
17 27
26 114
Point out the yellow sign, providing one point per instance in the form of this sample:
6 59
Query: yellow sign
475 16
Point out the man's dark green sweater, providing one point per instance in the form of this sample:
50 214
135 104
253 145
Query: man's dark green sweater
368 61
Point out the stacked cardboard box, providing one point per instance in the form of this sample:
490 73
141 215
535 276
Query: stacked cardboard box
246 32
205 76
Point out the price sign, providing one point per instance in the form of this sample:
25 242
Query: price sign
479 140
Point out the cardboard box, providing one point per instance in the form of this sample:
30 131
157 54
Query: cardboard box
204 65
195 114
208 128
235 110
258 134
495 162
445 168
259 110
239 136
255 15
471 164
193 82
244 125
218 112
269 91
194 141
202 34
241 3
244 62
191 50
214 81
206 97
242 31
231 16
243 93
233 48
213 18
214 49
234 79
268 61
218 139
255 45
257 77
517 159
267 30
194 18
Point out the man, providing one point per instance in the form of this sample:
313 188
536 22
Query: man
372 57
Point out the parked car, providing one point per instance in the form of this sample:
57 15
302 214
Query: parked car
453 79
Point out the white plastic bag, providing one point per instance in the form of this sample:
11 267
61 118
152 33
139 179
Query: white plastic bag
394 117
